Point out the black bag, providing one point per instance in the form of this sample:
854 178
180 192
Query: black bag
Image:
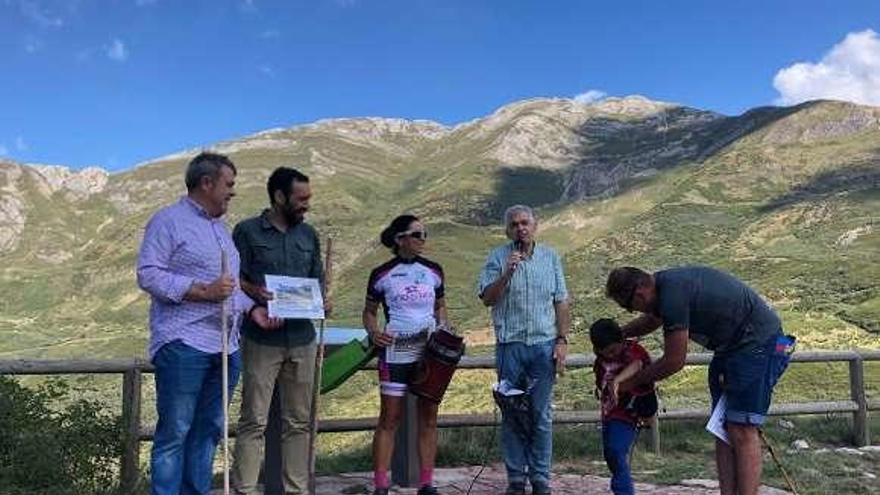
643 406
517 411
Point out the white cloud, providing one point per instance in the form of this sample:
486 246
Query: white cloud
117 51
850 71
590 96
20 144
32 44
35 13
267 70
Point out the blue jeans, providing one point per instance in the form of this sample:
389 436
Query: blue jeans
529 458
188 402
617 439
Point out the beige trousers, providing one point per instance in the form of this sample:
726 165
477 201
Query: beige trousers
294 369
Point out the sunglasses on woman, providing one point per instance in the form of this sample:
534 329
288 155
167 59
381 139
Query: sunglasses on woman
415 234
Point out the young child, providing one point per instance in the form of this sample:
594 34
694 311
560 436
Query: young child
616 360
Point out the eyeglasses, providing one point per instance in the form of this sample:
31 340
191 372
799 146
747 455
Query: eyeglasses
415 234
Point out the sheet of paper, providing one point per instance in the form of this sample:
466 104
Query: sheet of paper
295 297
505 388
715 425
409 343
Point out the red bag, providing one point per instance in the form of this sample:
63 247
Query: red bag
442 354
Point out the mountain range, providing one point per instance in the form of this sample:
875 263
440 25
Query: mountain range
787 198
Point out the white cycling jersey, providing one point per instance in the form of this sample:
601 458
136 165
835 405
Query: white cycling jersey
407 291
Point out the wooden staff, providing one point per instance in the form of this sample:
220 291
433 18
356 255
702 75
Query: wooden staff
224 359
788 480
319 369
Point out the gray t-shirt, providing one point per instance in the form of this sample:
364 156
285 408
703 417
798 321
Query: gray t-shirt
720 312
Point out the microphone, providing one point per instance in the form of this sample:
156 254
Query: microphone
522 248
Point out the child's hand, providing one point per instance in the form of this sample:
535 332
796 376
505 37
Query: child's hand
614 391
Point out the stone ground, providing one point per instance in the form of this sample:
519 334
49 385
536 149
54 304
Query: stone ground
455 481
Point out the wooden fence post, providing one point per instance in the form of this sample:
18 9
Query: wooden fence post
405 463
861 435
131 423
652 441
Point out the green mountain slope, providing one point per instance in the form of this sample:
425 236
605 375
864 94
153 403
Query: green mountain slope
787 198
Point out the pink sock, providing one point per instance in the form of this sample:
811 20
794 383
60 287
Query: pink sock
426 476
380 479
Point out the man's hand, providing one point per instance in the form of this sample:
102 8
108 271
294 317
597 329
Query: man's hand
675 345
513 260
560 350
263 294
217 291
259 293
260 316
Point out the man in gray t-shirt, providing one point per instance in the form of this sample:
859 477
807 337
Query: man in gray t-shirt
726 316
720 313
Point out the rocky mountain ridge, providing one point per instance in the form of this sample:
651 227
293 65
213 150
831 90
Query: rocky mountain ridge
619 180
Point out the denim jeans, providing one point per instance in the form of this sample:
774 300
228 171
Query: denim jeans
748 378
617 439
188 402
529 458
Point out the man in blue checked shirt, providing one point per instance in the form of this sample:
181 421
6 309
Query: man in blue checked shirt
524 284
179 266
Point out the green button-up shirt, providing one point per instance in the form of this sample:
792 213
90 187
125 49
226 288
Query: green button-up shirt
265 250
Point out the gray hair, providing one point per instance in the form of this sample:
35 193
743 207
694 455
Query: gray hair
513 210
516 209
206 164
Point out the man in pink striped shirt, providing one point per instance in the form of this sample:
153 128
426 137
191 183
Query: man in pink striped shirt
179 265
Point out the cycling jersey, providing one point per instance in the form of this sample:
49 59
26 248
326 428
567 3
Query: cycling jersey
407 291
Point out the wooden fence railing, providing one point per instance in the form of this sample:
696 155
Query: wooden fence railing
405 467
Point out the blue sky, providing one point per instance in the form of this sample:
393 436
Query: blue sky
115 82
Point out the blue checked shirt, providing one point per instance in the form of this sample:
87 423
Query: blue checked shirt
525 312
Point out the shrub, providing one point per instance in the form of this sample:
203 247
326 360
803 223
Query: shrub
54 443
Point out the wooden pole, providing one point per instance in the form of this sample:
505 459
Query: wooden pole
788 480
319 368
224 339
131 418
861 433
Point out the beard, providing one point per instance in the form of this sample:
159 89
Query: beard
293 215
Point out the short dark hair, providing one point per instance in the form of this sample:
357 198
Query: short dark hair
605 332
206 164
398 225
622 283
282 179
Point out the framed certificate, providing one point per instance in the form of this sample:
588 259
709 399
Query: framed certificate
295 297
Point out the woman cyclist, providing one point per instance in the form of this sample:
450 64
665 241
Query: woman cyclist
410 290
